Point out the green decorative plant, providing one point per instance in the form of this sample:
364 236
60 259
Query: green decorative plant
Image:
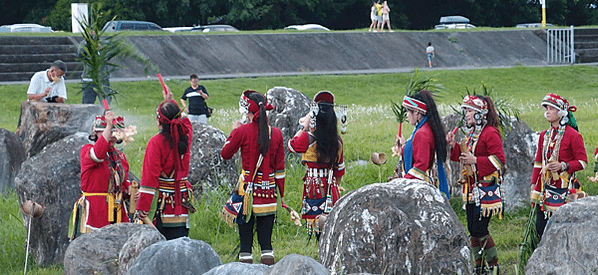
504 107
415 85
100 48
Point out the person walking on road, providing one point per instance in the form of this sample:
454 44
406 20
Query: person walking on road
431 53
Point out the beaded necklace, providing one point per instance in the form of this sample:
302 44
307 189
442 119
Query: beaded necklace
552 144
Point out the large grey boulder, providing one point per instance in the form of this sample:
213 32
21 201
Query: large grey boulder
98 252
236 268
12 154
43 123
520 146
139 241
207 169
400 227
52 178
289 106
568 245
295 264
178 256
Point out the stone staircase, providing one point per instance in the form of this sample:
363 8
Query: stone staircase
586 45
22 56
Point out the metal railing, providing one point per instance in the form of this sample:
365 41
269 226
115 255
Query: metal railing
559 43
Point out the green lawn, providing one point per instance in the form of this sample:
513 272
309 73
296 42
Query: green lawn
372 128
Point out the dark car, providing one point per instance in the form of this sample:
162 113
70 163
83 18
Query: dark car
122 25
215 28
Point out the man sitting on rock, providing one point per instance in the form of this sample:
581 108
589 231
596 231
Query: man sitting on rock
48 85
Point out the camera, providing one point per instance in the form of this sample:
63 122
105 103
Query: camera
52 98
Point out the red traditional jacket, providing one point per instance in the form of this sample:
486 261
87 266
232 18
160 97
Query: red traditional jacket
424 149
158 178
572 151
271 173
490 159
95 181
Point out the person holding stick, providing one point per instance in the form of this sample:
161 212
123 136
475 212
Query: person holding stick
561 153
322 148
483 152
165 171
262 180
427 142
104 178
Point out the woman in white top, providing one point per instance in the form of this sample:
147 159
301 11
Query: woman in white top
373 16
386 16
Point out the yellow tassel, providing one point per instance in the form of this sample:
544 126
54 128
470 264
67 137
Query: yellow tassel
227 217
111 206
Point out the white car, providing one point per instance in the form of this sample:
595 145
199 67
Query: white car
307 27
25 28
454 22
178 29
533 25
454 26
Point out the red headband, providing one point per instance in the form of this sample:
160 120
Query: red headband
414 104
251 105
100 123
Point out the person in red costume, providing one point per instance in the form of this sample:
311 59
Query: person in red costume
263 177
427 142
165 171
561 153
104 179
484 160
323 155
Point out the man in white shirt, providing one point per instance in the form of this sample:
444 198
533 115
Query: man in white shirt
48 85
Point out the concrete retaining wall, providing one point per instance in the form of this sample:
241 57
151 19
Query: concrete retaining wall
250 54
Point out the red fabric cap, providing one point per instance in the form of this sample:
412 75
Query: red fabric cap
324 96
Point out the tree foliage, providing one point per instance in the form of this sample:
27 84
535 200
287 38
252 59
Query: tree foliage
335 14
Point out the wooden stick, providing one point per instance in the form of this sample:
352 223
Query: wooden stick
132 200
468 169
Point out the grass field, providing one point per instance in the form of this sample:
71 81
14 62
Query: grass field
372 128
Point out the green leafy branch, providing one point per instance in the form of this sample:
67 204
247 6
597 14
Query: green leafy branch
415 85
100 48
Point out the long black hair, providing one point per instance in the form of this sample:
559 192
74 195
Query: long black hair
435 123
172 111
492 116
262 122
327 134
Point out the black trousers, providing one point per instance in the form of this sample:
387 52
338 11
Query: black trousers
477 227
264 226
171 233
540 221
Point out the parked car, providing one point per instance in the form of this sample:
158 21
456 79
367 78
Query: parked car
307 27
123 25
533 25
454 22
215 28
178 29
25 28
